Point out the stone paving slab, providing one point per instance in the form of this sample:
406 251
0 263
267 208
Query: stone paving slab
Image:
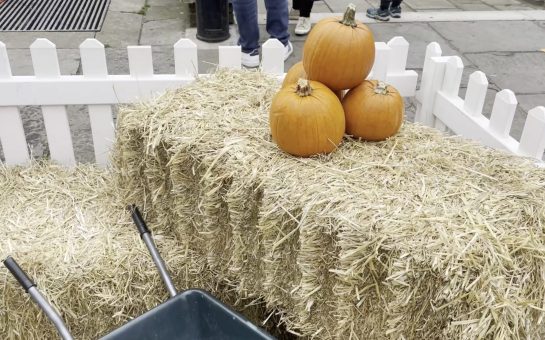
162 32
523 73
429 4
164 12
120 29
132 6
529 101
487 36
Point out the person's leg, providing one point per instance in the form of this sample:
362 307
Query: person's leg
246 14
278 19
395 9
296 4
382 13
305 8
303 24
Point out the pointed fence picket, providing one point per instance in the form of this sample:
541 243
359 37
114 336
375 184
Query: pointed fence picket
440 106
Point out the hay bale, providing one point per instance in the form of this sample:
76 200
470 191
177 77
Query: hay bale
421 236
70 230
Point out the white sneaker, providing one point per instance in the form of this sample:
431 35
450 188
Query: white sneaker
288 50
303 26
251 59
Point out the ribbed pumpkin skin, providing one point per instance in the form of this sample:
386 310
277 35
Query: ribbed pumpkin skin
306 126
373 116
337 55
296 72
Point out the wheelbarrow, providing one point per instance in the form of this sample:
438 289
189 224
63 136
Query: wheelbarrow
192 314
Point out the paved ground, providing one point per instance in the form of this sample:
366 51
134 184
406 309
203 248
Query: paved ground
509 52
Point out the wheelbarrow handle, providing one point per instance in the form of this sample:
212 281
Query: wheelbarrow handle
138 220
19 273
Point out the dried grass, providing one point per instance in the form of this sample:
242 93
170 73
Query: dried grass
71 233
422 236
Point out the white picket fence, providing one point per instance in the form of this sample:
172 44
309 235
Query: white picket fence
438 101
440 106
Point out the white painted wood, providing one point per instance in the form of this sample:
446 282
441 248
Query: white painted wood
503 112
434 81
453 76
382 55
140 61
532 141
476 93
103 129
404 82
432 50
5 68
450 110
46 66
398 56
230 57
12 136
273 57
93 59
58 135
44 59
186 62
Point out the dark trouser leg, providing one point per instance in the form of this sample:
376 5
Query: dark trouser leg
385 4
305 7
396 3
278 19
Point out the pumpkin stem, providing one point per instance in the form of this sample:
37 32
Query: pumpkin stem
303 88
381 88
349 18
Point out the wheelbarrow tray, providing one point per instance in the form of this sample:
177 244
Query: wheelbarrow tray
193 314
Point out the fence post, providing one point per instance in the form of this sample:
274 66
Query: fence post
432 79
503 112
93 63
532 141
186 62
382 55
476 93
12 134
46 65
273 57
451 84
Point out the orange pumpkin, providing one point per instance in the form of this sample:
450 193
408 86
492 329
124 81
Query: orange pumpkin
339 53
373 110
297 72
306 119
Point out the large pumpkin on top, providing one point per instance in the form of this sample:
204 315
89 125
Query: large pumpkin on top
339 52
306 118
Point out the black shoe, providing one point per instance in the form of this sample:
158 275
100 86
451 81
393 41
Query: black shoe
378 14
395 12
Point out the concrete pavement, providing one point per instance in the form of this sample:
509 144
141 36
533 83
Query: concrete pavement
509 52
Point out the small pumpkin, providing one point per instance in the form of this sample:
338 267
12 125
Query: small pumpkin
306 119
296 72
339 53
374 111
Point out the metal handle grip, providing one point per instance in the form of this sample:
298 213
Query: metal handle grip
138 220
19 273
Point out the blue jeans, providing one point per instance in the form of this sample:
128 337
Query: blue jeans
277 22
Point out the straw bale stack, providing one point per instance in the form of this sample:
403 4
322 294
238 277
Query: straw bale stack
422 236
